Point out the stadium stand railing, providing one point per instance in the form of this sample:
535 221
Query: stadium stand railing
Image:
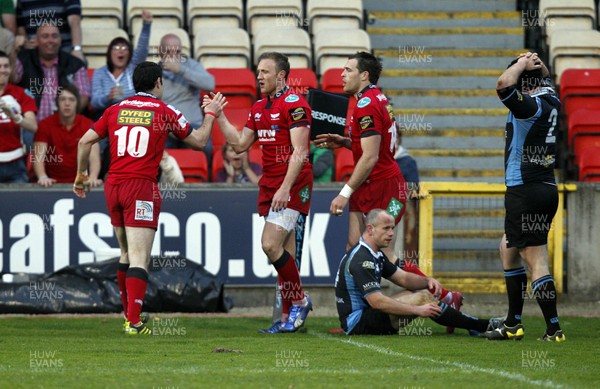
481 205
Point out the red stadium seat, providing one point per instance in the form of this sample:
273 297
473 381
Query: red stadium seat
344 164
331 81
239 85
580 89
589 166
584 130
300 80
193 164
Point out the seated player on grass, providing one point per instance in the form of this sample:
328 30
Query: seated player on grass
364 309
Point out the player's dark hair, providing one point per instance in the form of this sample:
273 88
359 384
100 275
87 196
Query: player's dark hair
281 62
4 55
369 63
145 75
69 88
117 41
529 79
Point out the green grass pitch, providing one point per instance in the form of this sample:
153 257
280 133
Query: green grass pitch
227 352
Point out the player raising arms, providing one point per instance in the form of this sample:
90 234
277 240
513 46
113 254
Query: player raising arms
376 181
137 129
281 124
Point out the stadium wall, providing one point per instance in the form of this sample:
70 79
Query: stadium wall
45 230
583 275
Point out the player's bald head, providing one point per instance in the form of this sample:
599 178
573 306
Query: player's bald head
377 216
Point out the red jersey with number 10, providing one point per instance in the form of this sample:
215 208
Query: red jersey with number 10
373 115
137 130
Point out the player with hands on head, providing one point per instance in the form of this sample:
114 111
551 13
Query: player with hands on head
531 197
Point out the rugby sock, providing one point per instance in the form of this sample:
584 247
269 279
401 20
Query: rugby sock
291 288
516 287
408 266
450 317
545 293
286 304
137 282
121 276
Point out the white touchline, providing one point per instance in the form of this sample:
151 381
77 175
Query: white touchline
466 366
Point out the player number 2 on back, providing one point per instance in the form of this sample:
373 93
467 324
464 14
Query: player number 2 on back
135 141
552 119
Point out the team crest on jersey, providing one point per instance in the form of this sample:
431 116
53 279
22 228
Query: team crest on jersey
368 265
363 102
394 207
144 210
304 194
297 114
256 116
366 122
292 99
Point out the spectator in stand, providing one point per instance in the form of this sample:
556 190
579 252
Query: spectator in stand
114 82
237 168
43 69
55 143
65 15
17 110
169 171
322 161
9 26
184 79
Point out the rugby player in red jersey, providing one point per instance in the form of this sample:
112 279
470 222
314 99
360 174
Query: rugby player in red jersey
280 122
376 181
137 129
